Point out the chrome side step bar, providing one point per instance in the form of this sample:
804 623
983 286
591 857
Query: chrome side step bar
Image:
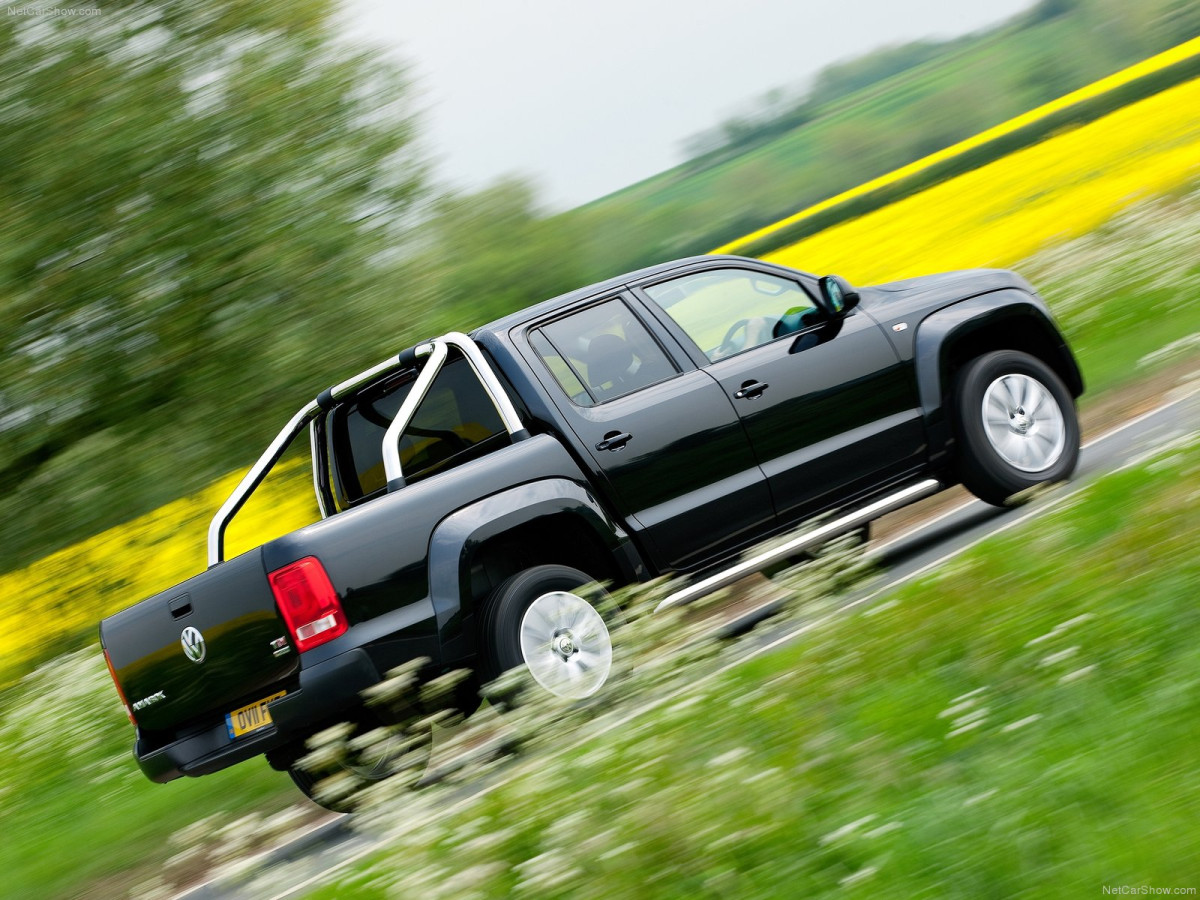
806 540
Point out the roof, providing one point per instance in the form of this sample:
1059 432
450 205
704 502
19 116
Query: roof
601 287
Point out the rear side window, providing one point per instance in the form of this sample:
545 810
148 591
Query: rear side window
601 353
456 422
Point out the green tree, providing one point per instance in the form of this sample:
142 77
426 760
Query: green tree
493 251
844 78
191 193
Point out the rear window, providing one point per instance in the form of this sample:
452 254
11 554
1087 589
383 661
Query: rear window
456 422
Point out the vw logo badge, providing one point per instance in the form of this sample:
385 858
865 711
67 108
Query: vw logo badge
193 644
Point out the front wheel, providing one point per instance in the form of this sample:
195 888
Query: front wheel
540 618
1016 425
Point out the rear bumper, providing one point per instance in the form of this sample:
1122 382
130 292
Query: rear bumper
325 692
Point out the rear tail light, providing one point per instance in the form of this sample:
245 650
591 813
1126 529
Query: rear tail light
308 603
120 691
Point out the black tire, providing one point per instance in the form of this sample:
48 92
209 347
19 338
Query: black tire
357 772
505 607
996 461
307 782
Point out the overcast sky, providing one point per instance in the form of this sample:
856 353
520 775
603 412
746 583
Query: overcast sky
587 97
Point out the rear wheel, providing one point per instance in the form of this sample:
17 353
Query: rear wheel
541 619
372 753
363 752
307 783
1016 425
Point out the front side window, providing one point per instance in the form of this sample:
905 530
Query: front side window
601 353
726 311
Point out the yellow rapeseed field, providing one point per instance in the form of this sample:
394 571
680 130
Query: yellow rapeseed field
68 592
1155 63
995 215
1010 208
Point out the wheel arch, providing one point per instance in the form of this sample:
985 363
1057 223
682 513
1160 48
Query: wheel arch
551 521
951 337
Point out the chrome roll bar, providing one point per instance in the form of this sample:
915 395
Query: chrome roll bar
437 351
252 479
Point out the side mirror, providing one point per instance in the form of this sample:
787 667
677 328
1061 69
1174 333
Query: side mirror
838 296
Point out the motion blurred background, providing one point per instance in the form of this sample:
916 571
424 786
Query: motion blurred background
213 211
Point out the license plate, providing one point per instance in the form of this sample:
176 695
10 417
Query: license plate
251 717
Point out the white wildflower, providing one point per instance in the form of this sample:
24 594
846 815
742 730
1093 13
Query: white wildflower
759 776
1059 629
880 607
962 729
1059 656
885 828
847 829
617 851
969 719
956 709
1021 723
979 798
730 756
1076 675
969 694
861 875
1180 347
545 872
483 844
472 877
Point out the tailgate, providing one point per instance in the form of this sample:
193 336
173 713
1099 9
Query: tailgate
227 619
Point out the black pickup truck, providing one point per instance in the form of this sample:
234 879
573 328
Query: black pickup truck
659 422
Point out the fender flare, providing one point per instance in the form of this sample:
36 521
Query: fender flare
941 330
456 537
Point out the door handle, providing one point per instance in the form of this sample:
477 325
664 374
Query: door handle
751 390
615 440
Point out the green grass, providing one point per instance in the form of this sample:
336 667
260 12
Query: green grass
1124 293
78 815
1020 723
1109 359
